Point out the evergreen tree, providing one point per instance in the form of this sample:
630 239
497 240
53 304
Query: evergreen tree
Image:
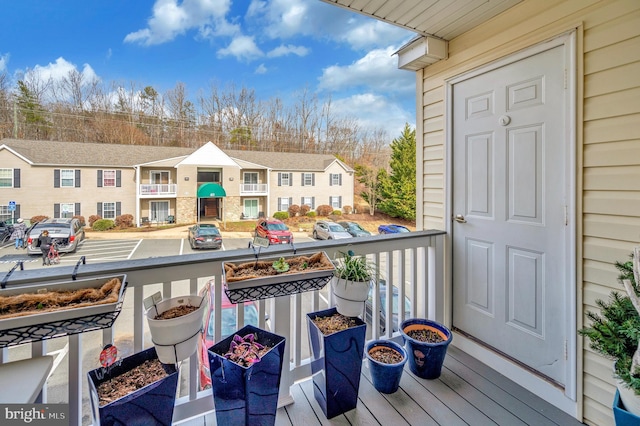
398 190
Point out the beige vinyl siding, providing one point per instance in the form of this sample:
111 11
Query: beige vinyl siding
608 136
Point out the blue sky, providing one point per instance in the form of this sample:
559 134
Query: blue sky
277 47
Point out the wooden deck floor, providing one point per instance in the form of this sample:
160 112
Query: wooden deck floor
467 393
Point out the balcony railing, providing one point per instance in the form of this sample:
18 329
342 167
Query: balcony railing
158 189
413 262
253 188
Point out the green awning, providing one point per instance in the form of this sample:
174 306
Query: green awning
211 190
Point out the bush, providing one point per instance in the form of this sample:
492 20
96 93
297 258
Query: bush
102 225
311 214
294 209
93 218
281 215
80 219
347 209
324 210
304 209
39 218
124 221
336 213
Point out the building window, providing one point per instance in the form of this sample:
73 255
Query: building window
283 204
335 179
67 178
284 179
335 202
67 210
109 178
308 179
108 210
309 201
6 178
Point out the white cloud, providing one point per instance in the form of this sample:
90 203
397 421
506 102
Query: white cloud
377 70
171 18
289 49
4 60
262 69
242 47
60 69
373 111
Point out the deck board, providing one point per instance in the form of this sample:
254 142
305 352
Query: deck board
467 392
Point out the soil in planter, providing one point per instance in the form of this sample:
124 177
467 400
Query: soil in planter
146 373
385 355
36 303
249 270
176 311
425 335
334 323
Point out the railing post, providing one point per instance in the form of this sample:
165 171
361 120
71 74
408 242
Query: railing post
280 316
75 379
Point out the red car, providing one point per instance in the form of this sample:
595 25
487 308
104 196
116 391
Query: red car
229 327
274 230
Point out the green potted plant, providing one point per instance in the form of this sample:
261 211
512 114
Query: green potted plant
351 282
615 333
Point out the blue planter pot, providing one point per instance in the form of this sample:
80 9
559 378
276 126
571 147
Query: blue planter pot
247 395
336 363
621 415
150 405
425 359
386 377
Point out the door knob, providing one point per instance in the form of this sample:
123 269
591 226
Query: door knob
459 218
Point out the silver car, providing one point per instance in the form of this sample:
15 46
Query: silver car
327 230
66 232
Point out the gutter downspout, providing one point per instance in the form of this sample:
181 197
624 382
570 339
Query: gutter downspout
137 172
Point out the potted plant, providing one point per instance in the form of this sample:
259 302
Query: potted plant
426 343
351 282
615 333
136 390
175 325
273 277
386 363
337 349
245 376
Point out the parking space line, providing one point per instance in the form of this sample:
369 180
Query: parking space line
135 248
181 246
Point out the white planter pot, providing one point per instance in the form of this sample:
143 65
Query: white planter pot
629 399
350 296
175 339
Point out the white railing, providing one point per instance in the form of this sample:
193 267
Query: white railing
415 259
253 188
159 189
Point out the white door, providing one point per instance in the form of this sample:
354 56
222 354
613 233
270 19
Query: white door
509 197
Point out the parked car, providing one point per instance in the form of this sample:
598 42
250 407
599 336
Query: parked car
354 229
274 230
327 230
229 326
5 231
392 229
204 236
67 232
368 313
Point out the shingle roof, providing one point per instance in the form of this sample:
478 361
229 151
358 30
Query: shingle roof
56 153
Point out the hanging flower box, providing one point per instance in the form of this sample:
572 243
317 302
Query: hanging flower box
55 309
258 279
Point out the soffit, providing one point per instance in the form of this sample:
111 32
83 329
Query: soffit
445 19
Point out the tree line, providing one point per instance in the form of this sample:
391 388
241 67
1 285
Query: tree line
82 109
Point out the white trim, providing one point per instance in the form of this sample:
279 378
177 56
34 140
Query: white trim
22 157
567 400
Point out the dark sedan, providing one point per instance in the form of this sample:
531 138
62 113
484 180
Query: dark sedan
205 236
354 229
392 229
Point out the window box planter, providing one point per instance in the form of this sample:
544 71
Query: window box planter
336 363
38 321
150 405
255 280
247 395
